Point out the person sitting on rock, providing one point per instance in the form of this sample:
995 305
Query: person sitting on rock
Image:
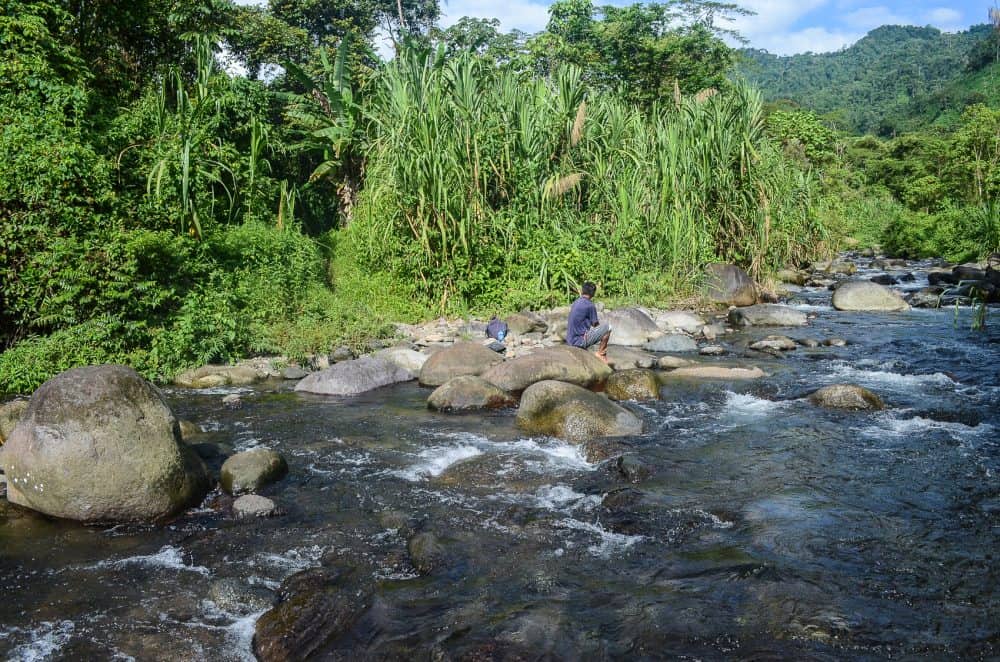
584 330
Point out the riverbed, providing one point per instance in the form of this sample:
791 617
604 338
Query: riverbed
758 525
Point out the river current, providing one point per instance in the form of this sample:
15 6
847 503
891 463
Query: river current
761 527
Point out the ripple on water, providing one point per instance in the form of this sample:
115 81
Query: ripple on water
887 378
44 641
608 543
169 558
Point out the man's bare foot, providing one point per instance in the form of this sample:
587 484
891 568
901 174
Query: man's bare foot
602 356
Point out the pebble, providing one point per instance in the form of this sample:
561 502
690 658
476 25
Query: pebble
253 505
835 342
712 350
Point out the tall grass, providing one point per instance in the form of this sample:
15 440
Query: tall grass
491 188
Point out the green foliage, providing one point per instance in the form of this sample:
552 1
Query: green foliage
481 184
801 131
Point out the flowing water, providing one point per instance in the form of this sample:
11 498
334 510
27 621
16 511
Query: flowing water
766 528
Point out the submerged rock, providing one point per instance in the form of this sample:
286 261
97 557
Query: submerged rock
630 327
354 377
467 393
100 444
426 552
460 359
846 396
865 295
571 412
251 470
636 384
561 362
728 284
767 314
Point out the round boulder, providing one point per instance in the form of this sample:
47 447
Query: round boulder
574 413
562 362
846 396
404 357
866 295
249 471
354 377
100 444
630 326
729 285
464 358
767 314
468 393
635 384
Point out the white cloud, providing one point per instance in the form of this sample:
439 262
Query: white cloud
817 40
945 18
522 15
869 18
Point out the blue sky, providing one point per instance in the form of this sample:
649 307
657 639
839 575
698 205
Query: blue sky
780 26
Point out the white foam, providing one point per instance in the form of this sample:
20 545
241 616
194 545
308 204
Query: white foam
608 541
888 378
168 557
805 307
47 639
744 405
294 560
555 453
437 459
904 427
561 497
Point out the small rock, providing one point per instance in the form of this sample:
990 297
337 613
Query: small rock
808 342
188 429
712 331
730 285
780 343
251 470
712 350
679 320
253 505
835 342
626 358
426 552
636 384
236 597
846 396
671 342
232 401
342 354
767 314
294 372
631 469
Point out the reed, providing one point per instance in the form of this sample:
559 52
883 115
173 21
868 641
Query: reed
482 182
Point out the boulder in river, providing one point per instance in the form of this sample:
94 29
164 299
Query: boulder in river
238 597
465 358
865 295
767 314
404 357
354 377
780 343
100 444
679 320
730 285
562 362
928 297
672 362
846 396
251 470
672 342
253 505
317 609
210 376
468 393
10 414
793 276
630 326
574 413
636 384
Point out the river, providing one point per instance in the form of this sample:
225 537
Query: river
766 528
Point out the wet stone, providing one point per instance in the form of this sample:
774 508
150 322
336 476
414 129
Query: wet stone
236 596
712 350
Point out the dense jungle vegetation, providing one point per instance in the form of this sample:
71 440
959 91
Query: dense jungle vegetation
160 211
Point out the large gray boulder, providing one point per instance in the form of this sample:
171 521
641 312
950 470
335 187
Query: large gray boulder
354 377
729 285
672 342
562 362
468 393
846 396
251 470
866 295
680 320
10 414
574 413
464 358
100 444
521 323
630 326
767 314
408 359
623 358
636 384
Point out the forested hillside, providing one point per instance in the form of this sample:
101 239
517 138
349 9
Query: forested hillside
897 78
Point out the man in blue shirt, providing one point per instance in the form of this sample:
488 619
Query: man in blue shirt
584 330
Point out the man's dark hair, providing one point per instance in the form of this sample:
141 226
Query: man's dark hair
588 289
